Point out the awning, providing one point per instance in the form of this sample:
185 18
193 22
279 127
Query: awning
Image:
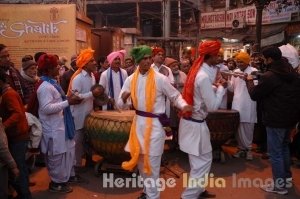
247 34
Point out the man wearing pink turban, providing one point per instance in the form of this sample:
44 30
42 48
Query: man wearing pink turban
194 135
113 78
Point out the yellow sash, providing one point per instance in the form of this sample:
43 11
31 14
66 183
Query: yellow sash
134 146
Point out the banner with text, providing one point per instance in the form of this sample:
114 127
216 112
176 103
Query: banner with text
271 14
27 29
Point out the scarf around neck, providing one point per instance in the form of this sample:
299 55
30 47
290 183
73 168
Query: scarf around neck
134 145
111 91
68 119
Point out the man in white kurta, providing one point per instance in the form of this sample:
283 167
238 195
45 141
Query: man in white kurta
81 84
113 78
163 89
194 135
158 56
244 105
56 144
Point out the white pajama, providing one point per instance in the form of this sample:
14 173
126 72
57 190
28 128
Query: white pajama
245 135
200 165
155 161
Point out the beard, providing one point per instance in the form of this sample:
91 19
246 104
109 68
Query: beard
6 65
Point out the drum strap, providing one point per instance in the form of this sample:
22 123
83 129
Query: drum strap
193 120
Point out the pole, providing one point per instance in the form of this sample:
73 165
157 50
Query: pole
259 9
138 20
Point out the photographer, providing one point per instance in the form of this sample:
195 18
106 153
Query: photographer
278 90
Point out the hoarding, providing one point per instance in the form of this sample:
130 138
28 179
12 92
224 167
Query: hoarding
30 28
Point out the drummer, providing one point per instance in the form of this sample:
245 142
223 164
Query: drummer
147 89
194 136
80 84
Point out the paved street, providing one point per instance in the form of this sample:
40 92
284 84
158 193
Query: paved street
233 172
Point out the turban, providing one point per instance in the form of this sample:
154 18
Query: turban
139 52
156 50
84 57
205 48
169 61
112 56
46 62
244 57
288 51
209 48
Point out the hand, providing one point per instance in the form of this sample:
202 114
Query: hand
125 96
97 91
187 108
15 172
74 99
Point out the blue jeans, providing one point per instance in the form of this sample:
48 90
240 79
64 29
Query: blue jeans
278 147
20 184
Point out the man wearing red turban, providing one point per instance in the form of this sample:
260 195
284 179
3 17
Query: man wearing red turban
194 136
54 112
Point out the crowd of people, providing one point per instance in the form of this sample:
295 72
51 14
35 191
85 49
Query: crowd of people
264 88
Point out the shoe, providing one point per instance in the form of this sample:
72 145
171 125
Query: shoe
206 194
60 187
76 179
272 189
142 196
249 155
240 154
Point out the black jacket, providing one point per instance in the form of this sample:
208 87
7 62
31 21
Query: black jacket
278 91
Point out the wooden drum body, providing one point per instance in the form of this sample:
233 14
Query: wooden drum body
108 132
222 125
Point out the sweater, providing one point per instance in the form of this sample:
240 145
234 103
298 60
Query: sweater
13 116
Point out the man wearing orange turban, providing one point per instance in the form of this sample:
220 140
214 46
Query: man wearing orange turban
81 83
246 107
194 136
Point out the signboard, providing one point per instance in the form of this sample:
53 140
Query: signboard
272 14
30 28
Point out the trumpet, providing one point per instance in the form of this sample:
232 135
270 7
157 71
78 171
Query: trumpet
229 73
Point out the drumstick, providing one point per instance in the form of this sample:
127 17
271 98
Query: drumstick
117 108
230 73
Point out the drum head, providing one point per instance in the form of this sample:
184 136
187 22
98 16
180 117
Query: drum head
126 115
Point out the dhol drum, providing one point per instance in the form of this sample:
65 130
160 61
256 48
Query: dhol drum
222 125
108 132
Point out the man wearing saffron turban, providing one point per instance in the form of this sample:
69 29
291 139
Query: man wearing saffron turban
57 143
246 107
113 78
81 83
194 135
147 89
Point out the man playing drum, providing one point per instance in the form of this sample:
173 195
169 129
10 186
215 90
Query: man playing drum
81 84
194 135
147 89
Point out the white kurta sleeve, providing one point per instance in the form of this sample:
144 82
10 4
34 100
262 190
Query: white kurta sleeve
173 94
103 79
77 86
45 98
212 99
125 88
